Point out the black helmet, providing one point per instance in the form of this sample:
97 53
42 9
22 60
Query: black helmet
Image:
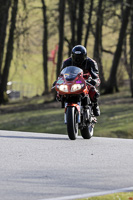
79 54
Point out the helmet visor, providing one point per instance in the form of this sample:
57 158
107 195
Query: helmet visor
78 58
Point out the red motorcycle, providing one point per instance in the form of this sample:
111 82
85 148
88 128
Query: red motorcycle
72 91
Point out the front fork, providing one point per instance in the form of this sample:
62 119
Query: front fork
78 108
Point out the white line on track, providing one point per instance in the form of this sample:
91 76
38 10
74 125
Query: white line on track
80 196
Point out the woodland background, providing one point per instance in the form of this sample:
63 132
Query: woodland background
36 36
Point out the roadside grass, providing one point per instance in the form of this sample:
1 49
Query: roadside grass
115 121
43 121
116 118
116 196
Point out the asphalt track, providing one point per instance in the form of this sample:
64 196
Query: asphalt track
36 166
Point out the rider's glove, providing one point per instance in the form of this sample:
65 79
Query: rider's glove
91 81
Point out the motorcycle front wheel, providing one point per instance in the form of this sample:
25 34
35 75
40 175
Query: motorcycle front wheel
72 125
87 132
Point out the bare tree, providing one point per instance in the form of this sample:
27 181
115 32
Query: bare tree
112 81
61 34
45 48
131 54
72 5
4 10
89 23
9 53
80 21
97 55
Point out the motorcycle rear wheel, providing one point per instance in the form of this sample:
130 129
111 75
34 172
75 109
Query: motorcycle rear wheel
72 125
87 132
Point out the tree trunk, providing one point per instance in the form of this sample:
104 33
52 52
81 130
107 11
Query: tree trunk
61 35
131 54
97 55
112 81
73 19
9 53
45 48
89 24
125 59
80 21
4 8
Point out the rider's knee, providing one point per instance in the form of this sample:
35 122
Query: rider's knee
94 94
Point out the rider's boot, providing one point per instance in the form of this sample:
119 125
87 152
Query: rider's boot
96 109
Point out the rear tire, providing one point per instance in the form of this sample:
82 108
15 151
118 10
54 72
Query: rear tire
72 125
87 132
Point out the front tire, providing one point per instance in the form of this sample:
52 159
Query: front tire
72 125
87 132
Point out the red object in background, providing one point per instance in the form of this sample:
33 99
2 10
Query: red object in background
53 54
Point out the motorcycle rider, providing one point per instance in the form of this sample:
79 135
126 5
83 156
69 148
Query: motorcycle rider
80 59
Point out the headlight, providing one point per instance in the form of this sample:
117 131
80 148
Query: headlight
76 87
63 88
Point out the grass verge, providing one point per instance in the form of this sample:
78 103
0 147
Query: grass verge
116 118
117 196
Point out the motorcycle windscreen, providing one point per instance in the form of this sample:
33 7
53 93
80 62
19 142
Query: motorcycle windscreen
71 72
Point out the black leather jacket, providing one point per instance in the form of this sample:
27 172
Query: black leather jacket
89 65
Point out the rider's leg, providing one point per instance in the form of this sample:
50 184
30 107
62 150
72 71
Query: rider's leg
94 94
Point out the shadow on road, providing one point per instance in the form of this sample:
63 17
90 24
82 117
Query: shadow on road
34 138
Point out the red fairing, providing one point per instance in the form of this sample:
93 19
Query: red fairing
67 85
